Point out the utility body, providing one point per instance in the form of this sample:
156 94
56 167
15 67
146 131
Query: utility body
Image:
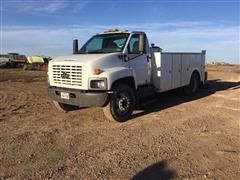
116 69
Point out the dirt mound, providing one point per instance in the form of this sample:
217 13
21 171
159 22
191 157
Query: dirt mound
218 63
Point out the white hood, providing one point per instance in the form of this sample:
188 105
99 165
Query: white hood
81 58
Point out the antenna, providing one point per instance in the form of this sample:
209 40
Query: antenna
1 26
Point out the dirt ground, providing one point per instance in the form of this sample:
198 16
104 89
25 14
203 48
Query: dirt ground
174 137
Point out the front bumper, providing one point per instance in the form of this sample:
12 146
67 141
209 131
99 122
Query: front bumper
79 98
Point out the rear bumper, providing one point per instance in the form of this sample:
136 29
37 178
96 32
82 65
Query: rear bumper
79 98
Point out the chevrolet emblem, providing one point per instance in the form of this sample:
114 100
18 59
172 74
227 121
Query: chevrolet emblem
65 75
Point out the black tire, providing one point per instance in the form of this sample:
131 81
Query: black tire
121 104
65 107
12 65
192 88
8 65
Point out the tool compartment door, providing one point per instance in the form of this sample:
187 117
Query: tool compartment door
176 70
186 71
166 72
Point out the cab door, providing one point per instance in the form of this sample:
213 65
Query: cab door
138 61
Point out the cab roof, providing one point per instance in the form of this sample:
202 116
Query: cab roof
114 30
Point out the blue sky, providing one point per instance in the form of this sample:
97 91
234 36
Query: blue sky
48 26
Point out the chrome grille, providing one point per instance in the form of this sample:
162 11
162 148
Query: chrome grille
67 74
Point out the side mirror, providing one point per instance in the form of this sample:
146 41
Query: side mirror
75 46
123 57
142 43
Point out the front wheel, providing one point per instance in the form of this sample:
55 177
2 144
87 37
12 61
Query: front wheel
121 104
65 107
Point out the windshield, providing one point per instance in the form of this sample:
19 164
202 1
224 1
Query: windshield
105 43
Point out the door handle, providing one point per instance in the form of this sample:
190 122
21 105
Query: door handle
147 58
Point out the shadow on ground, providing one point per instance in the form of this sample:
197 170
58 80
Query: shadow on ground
176 97
157 171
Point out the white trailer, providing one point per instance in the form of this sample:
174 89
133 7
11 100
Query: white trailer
116 69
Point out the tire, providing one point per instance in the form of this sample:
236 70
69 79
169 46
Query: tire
65 107
12 65
121 104
7 64
192 88
25 67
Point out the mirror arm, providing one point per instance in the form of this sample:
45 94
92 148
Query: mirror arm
125 57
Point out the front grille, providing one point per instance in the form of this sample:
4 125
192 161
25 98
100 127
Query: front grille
67 74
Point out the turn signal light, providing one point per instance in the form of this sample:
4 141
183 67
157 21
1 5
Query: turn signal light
97 71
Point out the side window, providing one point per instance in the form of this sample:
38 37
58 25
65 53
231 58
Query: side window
96 44
133 46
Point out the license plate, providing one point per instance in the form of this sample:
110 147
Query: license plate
64 95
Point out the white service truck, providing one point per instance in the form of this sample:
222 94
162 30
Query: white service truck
116 69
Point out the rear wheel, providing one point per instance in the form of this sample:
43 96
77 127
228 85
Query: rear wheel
192 88
65 107
121 104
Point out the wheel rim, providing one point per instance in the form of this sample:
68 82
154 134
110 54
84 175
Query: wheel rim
122 103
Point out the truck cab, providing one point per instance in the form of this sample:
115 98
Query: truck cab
112 70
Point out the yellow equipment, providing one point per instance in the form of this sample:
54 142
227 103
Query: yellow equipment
36 62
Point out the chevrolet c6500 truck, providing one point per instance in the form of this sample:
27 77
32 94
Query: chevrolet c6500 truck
117 69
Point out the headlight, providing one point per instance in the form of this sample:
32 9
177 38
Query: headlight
98 84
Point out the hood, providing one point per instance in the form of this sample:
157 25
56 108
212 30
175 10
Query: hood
83 58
